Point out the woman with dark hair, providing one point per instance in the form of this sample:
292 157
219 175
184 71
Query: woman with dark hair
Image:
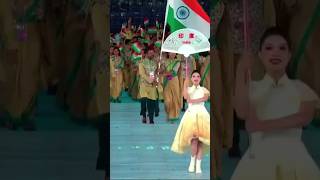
275 109
116 83
171 89
194 129
24 66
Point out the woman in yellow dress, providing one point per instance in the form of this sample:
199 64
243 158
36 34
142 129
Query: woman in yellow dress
171 92
194 129
83 70
276 109
127 70
135 58
134 75
126 54
23 63
116 84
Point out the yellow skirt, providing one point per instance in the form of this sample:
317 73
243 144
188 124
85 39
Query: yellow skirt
277 158
172 99
116 85
195 123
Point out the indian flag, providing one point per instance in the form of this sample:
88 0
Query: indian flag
187 14
136 47
136 57
145 41
140 32
123 30
121 49
146 21
152 30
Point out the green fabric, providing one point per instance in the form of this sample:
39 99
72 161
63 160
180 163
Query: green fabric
145 41
196 56
174 119
157 44
173 22
136 59
304 41
174 74
121 64
170 67
165 82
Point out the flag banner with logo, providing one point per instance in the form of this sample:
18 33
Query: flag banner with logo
189 27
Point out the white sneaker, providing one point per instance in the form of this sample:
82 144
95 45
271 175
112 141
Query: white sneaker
198 166
192 164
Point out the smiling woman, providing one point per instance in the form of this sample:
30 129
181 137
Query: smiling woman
276 109
156 80
194 129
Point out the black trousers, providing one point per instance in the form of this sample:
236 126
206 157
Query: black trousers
157 108
104 152
148 105
184 103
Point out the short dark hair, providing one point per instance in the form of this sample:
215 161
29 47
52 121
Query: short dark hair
195 71
271 32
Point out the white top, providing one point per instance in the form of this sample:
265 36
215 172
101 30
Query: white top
273 101
196 92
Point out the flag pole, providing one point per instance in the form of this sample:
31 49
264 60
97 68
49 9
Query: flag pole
164 27
163 34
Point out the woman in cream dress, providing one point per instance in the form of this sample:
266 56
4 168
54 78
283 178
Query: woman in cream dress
116 83
194 129
275 109
171 88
